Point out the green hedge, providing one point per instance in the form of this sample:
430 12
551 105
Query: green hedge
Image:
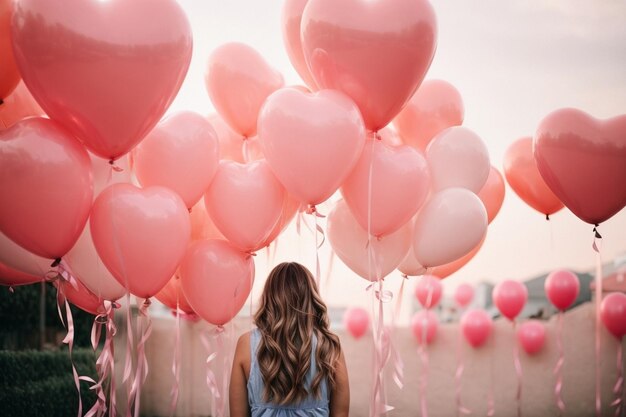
34 383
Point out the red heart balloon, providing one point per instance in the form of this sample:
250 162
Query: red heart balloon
106 70
377 52
141 235
583 161
46 187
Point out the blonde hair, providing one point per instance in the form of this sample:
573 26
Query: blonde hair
291 311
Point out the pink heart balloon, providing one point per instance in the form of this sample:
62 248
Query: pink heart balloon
510 297
102 68
583 161
231 143
476 326
435 106
357 321
531 335
47 187
613 314
376 52
141 235
291 19
428 291
245 202
181 153
216 279
238 81
311 141
399 185
350 242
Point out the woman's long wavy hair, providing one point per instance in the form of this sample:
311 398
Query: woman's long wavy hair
291 312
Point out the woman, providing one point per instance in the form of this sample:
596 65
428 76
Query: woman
291 365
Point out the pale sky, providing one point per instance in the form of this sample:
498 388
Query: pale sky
513 62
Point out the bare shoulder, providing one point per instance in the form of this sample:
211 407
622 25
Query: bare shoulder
242 352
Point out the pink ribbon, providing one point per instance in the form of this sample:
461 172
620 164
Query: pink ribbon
518 372
218 403
176 361
329 271
423 354
141 372
460 408
618 389
597 245
558 369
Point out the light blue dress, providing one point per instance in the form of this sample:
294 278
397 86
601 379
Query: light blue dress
310 407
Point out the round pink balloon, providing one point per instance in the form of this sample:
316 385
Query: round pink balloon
101 68
435 106
562 287
583 161
357 321
376 52
350 242
428 291
424 321
531 335
12 277
245 202
216 279
46 186
457 157
464 295
613 314
180 153
141 235
16 257
238 81
450 225
492 194
396 189
476 326
231 142
291 19
173 297
510 296
311 141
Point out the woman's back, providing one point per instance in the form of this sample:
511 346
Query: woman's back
309 407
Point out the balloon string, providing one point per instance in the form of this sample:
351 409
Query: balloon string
423 353
518 372
597 246
245 151
128 360
141 372
176 360
460 408
211 380
317 255
329 271
491 408
558 369
618 389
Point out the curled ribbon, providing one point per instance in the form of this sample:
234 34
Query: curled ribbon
558 369
142 362
218 403
619 384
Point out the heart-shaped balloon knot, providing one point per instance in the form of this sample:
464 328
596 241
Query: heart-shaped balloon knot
311 209
404 276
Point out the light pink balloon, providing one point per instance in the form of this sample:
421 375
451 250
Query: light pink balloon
350 242
238 80
86 265
141 235
476 326
457 157
393 193
562 287
376 52
510 296
311 141
101 68
291 18
181 153
424 321
450 225
231 143
464 295
613 314
13 277
46 187
428 291
435 106
216 279
16 257
245 202
583 161
532 336
357 321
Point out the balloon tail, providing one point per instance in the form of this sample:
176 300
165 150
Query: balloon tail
558 369
597 246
